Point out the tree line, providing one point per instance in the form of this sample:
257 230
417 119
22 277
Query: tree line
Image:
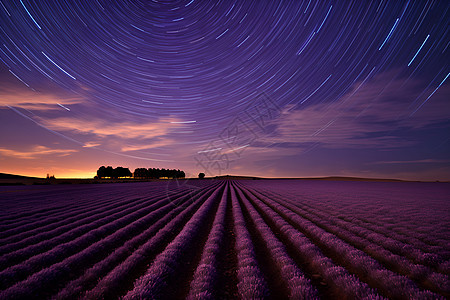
139 173
158 173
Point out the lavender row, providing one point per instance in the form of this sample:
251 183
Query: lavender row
75 288
420 273
77 233
205 282
371 212
111 285
342 283
45 205
97 230
368 269
398 228
46 217
347 228
252 284
428 245
81 196
65 227
388 239
381 247
20 205
56 225
156 281
62 271
299 286
53 219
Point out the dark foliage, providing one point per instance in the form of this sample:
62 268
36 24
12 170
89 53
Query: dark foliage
158 173
104 172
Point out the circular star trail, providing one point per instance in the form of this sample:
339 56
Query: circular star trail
201 62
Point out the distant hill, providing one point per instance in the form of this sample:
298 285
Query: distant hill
330 178
339 178
237 177
11 176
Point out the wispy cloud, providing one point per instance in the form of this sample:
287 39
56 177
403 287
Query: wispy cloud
35 152
365 118
418 161
38 101
138 147
91 144
104 128
123 136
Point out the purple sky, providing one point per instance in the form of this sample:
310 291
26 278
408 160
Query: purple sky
262 88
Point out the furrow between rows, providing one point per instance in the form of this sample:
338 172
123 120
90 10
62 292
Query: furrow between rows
293 282
371 222
170 265
387 282
81 199
421 274
251 281
387 239
333 280
120 279
64 227
59 273
206 280
73 243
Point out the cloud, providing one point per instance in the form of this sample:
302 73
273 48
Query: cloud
370 116
91 144
419 161
35 152
157 144
123 136
104 128
33 100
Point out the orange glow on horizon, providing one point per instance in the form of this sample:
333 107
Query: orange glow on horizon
59 174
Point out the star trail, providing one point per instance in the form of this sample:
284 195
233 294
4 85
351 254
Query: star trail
356 84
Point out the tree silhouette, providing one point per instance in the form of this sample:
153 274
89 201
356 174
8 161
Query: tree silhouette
143 173
139 173
109 172
201 175
101 172
121 172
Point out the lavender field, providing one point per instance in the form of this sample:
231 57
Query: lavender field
226 239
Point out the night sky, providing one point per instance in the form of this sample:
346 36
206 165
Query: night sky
261 88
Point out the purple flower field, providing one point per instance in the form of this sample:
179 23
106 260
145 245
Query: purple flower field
226 239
